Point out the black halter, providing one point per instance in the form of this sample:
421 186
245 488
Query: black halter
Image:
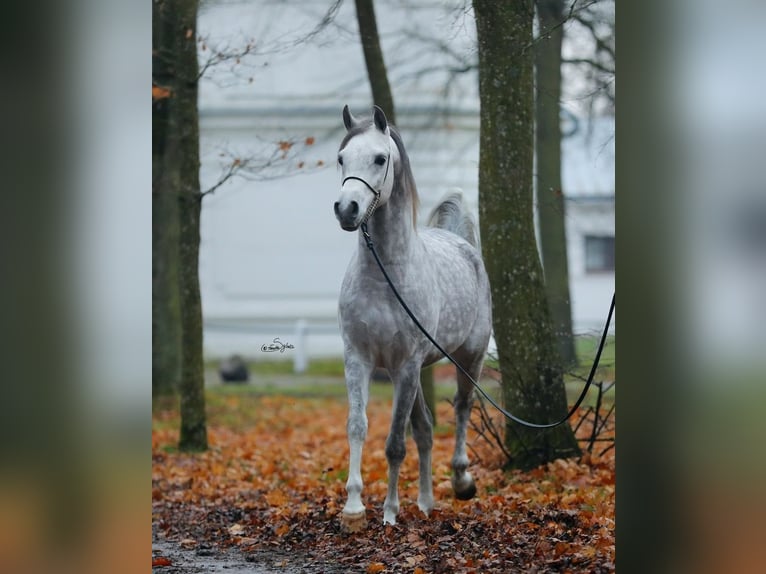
375 192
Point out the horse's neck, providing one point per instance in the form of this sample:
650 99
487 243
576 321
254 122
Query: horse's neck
392 231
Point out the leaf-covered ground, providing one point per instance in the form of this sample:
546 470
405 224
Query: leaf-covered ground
272 487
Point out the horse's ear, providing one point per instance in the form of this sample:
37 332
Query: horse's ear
348 120
379 118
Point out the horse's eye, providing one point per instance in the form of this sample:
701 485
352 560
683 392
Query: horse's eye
340 160
380 159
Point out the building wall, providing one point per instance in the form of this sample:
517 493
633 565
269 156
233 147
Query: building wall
591 291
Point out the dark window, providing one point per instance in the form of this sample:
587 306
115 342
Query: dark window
599 254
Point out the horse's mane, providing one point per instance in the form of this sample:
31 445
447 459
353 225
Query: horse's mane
403 178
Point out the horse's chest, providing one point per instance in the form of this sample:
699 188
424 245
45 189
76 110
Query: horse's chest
375 320
377 326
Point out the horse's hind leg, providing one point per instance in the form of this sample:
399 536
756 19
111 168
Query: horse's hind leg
422 432
462 481
357 384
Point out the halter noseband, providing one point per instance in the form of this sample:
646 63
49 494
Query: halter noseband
375 192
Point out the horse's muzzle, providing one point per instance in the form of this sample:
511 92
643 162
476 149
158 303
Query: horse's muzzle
348 215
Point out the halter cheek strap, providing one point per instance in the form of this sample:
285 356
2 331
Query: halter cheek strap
375 192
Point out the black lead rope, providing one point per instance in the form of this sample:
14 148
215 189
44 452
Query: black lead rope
483 393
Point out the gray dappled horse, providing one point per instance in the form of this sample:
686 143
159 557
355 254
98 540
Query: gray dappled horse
439 273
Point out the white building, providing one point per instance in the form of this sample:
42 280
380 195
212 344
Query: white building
272 254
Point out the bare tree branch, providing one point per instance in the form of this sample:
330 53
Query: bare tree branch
238 55
326 20
589 62
602 44
223 55
274 160
573 10
231 172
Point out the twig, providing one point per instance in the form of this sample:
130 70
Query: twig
569 16
600 388
590 62
605 419
582 419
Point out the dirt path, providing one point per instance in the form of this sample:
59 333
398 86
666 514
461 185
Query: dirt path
233 561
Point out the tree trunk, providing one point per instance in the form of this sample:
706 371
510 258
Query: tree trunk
373 57
532 383
550 198
193 425
176 148
166 309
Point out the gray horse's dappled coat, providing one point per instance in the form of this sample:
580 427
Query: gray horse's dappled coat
438 272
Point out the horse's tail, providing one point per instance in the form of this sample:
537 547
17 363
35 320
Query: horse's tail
451 214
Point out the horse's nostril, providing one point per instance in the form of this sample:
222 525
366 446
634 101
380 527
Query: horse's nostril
354 208
337 206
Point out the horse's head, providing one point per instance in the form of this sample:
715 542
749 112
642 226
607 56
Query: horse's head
367 158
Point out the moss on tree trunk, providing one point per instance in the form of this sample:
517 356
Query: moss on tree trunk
532 383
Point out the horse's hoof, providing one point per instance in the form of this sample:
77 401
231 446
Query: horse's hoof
465 489
353 522
466 494
389 519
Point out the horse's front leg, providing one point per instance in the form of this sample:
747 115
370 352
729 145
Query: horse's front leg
357 385
406 382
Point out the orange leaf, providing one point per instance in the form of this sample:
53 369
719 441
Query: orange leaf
375 567
276 498
161 561
283 529
285 145
160 93
309 141
419 570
